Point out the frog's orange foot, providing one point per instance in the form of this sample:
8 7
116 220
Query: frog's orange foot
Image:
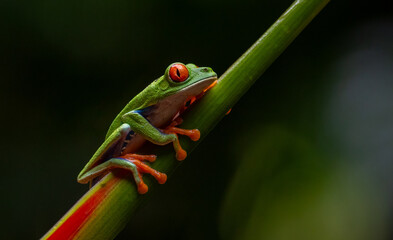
142 168
193 134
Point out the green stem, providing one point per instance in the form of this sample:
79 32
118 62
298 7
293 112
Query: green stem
105 209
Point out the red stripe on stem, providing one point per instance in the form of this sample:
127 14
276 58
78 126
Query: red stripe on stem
70 226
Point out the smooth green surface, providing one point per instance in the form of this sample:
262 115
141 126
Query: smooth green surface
206 114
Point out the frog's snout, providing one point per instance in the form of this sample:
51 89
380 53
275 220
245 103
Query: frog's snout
207 70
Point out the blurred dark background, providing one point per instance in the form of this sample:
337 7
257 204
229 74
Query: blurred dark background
306 154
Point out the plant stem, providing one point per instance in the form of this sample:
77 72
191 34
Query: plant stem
105 209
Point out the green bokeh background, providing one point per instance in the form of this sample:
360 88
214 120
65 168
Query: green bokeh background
306 154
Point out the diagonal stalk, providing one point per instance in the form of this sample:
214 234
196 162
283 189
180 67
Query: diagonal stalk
105 209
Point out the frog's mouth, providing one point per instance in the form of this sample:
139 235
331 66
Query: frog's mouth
190 100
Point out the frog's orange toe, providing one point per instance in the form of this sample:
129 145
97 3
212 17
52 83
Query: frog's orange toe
161 179
181 155
195 135
142 188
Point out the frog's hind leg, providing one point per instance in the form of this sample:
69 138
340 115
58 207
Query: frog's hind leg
112 147
136 167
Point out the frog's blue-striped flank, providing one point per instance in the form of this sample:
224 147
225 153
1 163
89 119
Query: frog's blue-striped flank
151 115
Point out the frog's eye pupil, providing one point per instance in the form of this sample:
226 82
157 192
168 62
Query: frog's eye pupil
178 72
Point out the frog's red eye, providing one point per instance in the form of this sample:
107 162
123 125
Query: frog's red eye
178 72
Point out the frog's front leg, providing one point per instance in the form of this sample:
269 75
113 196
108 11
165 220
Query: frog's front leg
160 137
193 134
142 126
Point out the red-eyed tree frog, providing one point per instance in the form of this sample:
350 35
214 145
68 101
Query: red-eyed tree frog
151 115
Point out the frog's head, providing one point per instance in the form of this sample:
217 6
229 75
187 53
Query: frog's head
187 80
